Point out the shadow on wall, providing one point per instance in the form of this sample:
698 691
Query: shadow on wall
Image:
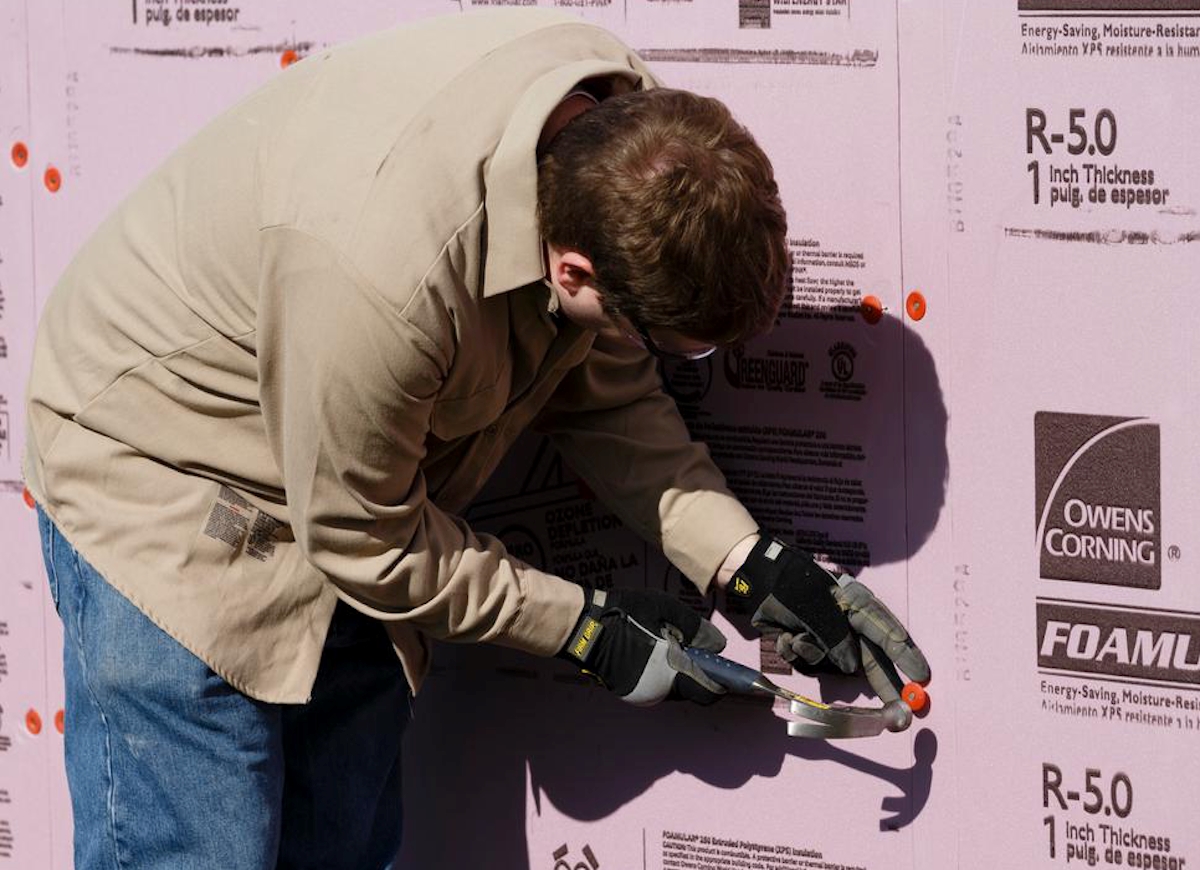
841 380
926 472
583 754
492 725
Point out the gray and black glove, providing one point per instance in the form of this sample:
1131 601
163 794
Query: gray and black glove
632 639
884 642
822 621
788 592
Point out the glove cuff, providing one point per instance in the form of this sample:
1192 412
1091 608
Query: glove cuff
757 576
582 641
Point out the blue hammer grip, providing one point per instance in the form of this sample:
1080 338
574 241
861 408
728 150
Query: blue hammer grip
729 674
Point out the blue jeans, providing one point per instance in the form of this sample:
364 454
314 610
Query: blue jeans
170 767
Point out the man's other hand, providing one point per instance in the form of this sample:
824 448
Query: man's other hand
632 640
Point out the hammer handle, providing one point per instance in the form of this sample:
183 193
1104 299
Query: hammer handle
727 673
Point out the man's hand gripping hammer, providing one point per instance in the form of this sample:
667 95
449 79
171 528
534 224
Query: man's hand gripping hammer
823 721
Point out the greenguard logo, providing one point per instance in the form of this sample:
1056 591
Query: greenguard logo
1098 512
777 372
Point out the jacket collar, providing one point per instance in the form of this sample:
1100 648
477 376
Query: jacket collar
514 245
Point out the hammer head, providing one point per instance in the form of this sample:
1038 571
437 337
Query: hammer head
837 722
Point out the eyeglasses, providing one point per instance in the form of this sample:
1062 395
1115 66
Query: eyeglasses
640 335
643 337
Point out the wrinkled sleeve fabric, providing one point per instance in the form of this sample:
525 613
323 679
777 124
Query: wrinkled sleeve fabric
616 427
347 388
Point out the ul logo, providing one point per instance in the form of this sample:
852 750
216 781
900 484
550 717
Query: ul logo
562 862
841 361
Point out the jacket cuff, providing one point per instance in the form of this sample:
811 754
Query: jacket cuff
710 524
549 610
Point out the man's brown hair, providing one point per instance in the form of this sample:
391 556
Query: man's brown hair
677 208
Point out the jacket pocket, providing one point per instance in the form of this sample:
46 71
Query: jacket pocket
452 419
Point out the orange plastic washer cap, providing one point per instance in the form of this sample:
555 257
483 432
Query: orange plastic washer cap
33 722
914 696
20 155
872 309
53 179
60 721
288 58
28 496
915 305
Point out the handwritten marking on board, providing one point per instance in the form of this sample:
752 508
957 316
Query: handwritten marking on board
207 51
1104 237
860 57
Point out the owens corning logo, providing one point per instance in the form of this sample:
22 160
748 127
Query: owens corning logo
777 372
1098 499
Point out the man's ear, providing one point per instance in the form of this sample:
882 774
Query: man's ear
574 271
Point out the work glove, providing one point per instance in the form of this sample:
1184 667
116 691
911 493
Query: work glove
786 591
632 640
884 642
822 622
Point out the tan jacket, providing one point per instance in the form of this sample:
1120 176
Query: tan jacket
278 370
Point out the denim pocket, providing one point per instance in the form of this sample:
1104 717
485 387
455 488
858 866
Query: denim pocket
48 532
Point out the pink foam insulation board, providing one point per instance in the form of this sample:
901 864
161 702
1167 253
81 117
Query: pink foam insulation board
982 399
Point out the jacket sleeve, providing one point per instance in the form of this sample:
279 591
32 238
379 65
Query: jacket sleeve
347 388
616 427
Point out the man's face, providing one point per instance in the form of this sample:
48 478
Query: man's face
570 276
